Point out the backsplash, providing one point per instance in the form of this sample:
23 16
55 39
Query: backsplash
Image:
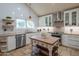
66 29
71 29
47 29
50 29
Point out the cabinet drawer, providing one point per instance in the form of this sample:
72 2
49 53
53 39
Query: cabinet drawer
70 37
73 42
35 42
76 38
73 45
43 44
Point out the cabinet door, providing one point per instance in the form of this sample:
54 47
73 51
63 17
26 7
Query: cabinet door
50 20
42 21
66 19
23 42
74 18
46 21
11 43
28 40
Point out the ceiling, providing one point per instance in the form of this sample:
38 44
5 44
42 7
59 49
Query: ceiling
46 8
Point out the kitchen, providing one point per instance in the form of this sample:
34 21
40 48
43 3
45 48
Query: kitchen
51 28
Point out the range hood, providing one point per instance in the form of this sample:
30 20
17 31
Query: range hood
58 21
59 15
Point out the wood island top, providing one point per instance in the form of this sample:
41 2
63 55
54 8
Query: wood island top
49 40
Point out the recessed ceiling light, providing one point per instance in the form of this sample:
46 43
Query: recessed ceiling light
18 8
21 15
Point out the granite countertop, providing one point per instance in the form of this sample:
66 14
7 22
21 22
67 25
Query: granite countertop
10 33
13 33
73 33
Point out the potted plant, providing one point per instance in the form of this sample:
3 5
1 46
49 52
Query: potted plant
8 18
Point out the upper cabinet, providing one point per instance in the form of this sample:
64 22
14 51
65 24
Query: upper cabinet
74 17
41 21
71 17
66 18
46 21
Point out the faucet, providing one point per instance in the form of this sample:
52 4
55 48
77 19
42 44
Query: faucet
71 30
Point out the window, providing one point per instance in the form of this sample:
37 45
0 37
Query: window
20 23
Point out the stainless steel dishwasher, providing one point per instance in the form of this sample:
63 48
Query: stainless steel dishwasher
20 40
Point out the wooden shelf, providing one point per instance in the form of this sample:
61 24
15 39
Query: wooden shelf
3 43
4 20
8 25
2 39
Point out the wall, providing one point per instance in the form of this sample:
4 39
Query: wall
17 10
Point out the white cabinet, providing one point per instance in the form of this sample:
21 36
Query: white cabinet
71 17
28 35
66 18
70 41
42 21
46 21
11 43
28 40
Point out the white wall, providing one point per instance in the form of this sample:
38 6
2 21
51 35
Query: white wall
17 10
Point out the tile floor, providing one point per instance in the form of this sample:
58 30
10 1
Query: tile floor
26 51
65 51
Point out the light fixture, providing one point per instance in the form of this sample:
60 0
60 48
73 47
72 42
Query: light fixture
30 17
18 8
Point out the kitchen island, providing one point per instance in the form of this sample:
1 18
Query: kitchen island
48 42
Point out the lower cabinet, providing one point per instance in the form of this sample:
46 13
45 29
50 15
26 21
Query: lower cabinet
28 40
70 41
17 41
11 43
28 35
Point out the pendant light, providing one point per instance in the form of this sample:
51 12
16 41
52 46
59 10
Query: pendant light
29 11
